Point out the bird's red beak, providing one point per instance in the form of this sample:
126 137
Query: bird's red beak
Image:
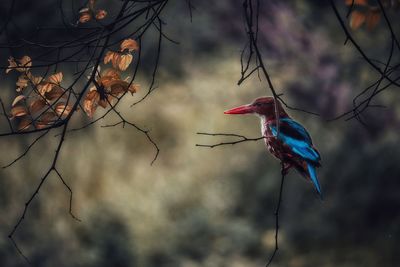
240 110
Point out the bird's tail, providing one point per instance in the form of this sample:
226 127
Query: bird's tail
314 178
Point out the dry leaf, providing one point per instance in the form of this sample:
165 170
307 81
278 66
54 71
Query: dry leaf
118 87
22 82
18 111
62 109
35 80
56 78
101 14
108 57
47 119
103 103
85 17
124 61
44 88
372 19
84 10
24 124
18 99
111 56
105 81
91 101
134 88
48 116
129 44
108 76
357 19
11 64
26 62
55 93
92 93
113 73
23 64
356 2
36 105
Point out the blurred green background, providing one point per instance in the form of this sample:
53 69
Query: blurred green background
215 207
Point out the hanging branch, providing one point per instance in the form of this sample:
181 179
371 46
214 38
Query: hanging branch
278 207
363 100
252 32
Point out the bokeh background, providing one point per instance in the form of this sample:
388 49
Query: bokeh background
215 207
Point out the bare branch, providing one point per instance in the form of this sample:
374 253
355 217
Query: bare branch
70 194
242 139
26 150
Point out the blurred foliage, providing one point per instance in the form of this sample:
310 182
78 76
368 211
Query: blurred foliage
214 207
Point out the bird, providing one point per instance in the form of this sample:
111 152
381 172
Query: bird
290 142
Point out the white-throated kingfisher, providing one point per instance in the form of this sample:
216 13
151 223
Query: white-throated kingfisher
291 143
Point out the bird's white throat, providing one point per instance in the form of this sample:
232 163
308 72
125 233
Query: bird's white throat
263 124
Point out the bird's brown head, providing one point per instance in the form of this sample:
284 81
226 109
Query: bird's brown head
264 106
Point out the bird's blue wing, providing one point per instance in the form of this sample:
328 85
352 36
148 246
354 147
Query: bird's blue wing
297 138
291 127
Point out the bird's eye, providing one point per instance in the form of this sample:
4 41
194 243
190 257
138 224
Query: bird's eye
257 104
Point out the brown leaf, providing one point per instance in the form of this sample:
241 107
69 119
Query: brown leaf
22 82
47 119
44 88
62 109
117 90
113 57
23 64
85 17
108 76
103 103
36 105
134 88
356 2
26 62
124 61
372 19
101 14
56 78
130 45
84 10
108 57
92 94
118 87
24 124
55 93
18 99
48 116
18 111
11 64
35 80
357 19
113 73
91 101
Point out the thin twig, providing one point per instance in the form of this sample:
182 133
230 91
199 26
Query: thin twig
278 206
